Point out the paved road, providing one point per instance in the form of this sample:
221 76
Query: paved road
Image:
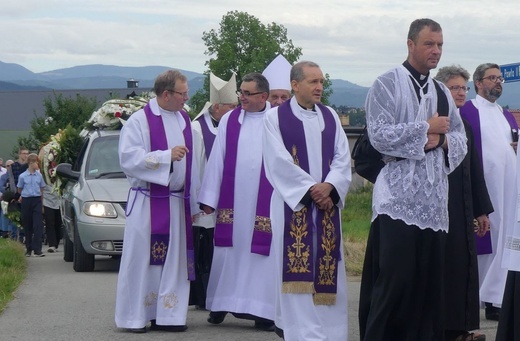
55 303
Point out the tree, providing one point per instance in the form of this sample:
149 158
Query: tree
242 44
60 112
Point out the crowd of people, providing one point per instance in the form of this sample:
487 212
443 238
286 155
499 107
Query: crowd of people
22 189
244 204
238 212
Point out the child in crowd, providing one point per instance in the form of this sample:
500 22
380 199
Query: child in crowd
30 186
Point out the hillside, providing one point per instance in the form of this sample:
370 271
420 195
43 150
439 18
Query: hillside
14 77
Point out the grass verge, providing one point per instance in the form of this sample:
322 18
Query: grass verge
13 266
356 225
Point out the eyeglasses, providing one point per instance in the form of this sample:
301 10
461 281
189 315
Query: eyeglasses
247 93
457 88
494 78
183 94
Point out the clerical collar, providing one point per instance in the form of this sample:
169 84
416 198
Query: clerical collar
304 108
213 121
416 74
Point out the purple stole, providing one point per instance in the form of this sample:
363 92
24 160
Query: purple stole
301 273
262 234
471 114
160 196
207 135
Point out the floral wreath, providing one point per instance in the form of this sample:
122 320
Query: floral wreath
112 115
48 156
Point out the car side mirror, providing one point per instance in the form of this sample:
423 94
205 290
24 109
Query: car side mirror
65 170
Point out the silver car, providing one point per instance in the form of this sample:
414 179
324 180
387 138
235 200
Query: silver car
93 201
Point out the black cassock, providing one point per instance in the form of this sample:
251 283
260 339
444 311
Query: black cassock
468 199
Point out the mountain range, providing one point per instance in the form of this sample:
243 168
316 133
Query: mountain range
15 77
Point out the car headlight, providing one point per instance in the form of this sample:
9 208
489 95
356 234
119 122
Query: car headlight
100 209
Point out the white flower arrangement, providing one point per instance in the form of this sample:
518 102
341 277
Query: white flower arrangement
114 113
48 156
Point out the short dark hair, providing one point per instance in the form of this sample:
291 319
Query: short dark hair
448 72
480 71
261 82
417 25
167 81
297 70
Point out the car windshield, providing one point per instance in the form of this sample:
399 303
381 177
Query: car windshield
103 159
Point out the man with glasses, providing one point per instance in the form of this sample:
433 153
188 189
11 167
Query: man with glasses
222 98
496 135
157 265
468 200
242 278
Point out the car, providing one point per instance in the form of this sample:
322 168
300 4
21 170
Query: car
93 201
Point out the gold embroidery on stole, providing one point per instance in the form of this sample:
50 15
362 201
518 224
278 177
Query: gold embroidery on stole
159 251
225 216
298 254
327 263
263 224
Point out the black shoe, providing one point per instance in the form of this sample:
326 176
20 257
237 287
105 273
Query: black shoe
217 317
174 329
137 330
492 313
28 254
40 254
278 331
267 326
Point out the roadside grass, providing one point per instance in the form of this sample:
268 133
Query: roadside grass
13 266
356 225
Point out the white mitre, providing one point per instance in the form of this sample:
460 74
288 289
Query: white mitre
221 91
278 74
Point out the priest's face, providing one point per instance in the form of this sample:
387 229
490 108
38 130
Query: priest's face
278 96
174 99
251 98
457 86
490 86
424 53
309 90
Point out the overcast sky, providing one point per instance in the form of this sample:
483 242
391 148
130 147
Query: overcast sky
355 40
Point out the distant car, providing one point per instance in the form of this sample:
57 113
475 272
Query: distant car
94 201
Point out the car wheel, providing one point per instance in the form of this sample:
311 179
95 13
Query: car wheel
83 261
68 251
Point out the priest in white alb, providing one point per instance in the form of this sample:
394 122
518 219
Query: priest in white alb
241 281
222 98
157 263
307 160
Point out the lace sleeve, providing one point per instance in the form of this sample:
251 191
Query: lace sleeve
391 130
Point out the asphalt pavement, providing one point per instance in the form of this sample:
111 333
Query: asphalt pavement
55 303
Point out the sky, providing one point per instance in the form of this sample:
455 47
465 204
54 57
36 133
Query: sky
354 40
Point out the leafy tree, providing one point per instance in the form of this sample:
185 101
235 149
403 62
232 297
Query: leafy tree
60 112
242 44
327 90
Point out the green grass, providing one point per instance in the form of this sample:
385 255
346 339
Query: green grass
356 225
13 266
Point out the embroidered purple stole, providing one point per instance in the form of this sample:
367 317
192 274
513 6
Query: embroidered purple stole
262 235
305 238
160 196
207 135
472 115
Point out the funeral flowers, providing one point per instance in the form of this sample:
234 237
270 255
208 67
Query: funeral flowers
113 113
